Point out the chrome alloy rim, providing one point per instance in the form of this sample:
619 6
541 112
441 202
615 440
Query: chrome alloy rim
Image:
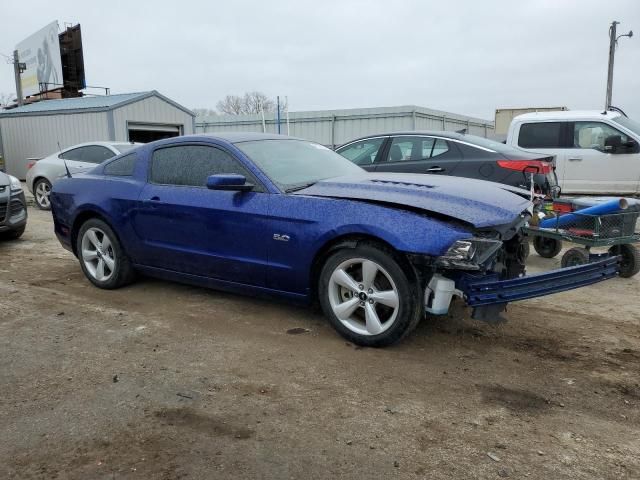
97 254
363 296
43 190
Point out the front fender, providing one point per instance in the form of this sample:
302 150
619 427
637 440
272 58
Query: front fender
405 231
311 223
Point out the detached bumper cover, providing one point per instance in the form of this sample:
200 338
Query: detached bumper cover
487 290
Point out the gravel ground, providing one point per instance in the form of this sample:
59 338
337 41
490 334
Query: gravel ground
160 380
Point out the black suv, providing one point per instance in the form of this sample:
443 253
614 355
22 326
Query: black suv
13 207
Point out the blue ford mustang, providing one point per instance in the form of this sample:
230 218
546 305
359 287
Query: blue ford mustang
268 214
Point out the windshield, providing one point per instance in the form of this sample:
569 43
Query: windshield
125 147
294 164
628 124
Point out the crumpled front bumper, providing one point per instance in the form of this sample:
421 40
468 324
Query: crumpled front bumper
489 295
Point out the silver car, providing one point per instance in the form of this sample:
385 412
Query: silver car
78 158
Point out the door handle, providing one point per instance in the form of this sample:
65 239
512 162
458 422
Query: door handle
435 169
151 203
575 159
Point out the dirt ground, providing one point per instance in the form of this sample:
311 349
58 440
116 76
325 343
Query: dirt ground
165 381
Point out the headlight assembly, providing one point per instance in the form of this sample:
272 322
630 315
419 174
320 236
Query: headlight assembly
16 186
469 254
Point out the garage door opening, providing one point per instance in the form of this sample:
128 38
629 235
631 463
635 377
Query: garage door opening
145 133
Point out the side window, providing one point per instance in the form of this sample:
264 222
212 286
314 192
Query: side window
363 152
593 134
190 165
416 148
122 167
75 154
400 149
541 135
96 154
409 148
427 146
439 148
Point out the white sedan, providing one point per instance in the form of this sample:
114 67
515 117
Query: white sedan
78 158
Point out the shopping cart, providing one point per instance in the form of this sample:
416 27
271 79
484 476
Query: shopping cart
618 231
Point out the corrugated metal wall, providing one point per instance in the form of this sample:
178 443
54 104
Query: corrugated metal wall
26 137
335 127
152 110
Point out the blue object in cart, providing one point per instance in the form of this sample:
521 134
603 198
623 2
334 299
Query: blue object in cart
612 206
581 203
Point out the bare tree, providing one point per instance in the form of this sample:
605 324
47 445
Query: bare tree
250 103
256 102
231 105
6 99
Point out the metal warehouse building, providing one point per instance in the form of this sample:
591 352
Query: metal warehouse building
335 127
36 130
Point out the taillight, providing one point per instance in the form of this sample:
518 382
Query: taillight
30 164
527 166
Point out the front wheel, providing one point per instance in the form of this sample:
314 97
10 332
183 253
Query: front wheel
101 256
630 264
369 296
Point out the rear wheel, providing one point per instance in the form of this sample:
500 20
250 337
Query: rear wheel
574 257
101 256
368 296
630 264
42 194
547 247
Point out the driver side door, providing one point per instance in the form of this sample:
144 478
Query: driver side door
185 227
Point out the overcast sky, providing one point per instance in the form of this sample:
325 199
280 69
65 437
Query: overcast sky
463 56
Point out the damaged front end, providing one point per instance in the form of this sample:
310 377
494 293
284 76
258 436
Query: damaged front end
487 271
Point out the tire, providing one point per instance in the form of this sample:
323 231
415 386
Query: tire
575 256
384 310
547 247
14 234
630 264
101 256
41 194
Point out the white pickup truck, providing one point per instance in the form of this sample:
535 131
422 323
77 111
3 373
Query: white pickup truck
596 152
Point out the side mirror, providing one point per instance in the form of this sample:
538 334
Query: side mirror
632 146
229 181
612 143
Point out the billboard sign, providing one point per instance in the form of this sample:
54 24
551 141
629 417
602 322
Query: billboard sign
41 54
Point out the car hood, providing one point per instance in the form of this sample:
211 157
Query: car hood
477 202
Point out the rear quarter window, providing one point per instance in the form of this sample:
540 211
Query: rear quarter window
541 135
122 167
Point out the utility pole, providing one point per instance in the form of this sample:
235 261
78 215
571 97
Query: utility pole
18 68
278 107
613 43
286 105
